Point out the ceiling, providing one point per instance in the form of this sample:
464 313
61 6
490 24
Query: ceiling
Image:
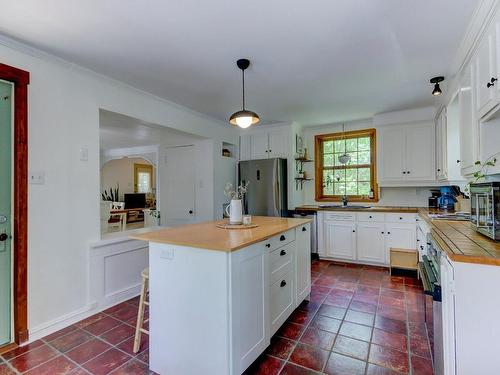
120 131
313 62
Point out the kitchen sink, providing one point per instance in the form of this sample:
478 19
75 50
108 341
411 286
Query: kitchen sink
348 207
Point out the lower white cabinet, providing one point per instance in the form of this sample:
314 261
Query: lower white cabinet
448 316
340 239
356 238
370 241
303 261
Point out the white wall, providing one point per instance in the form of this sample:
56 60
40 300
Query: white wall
63 111
400 196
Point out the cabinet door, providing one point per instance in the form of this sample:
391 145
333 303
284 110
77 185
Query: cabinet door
420 152
259 146
468 126
250 308
245 153
340 238
370 242
441 146
278 144
401 236
392 154
303 262
484 64
448 315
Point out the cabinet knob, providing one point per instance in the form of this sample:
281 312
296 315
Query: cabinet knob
371 217
353 231
270 150
282 252
439 170
388 232
488 85
304 229
3 237
404 172
268 245
283 283
418 240
190 212
407 172
382 232
493 80
421 247
282 238
400 218
458 161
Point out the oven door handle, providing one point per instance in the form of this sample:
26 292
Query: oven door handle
428 287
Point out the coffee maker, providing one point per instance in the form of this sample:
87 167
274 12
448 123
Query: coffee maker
447 199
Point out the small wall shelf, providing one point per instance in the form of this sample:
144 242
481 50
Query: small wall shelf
299 163
299 182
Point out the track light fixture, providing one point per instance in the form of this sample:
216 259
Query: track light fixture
437 90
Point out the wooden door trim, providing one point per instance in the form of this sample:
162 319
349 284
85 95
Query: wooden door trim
20 79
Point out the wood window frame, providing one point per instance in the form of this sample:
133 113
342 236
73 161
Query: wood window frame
140 168
20 79
318 156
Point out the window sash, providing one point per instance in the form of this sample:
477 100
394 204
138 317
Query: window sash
321 169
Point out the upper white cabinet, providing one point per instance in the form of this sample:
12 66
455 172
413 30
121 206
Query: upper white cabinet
406 153
486 73
265 144
469 132
441 146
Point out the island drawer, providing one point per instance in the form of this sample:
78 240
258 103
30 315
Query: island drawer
281 304
282 239
371 216
281 263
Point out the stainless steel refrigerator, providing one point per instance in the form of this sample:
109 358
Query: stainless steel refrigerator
267 189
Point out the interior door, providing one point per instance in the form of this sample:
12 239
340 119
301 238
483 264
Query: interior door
5 211
420 152
178 189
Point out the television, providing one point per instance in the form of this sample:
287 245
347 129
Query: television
135 200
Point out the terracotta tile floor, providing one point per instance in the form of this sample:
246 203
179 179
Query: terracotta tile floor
100 344
359 321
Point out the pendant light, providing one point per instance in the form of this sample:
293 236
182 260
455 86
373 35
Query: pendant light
345 157
243 118
437 90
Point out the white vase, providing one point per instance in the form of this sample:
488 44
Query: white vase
235 211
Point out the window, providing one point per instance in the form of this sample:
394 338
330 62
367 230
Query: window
143 176
356 178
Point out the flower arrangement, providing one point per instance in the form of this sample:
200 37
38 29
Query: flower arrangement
238 193
154 213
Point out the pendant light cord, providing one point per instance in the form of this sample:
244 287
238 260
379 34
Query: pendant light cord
243 80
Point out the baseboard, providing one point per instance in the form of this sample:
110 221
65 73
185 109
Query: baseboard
92 308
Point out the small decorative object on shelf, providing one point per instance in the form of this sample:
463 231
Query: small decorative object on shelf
226 153
306 156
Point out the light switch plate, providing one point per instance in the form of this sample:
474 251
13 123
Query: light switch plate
37 178
84 154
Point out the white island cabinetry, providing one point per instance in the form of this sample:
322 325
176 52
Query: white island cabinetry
224 305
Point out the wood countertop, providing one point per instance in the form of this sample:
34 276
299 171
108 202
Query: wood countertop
461 242
207 235
366 209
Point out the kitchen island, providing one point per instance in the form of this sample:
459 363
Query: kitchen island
218 295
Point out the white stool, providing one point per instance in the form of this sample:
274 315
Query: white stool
143 302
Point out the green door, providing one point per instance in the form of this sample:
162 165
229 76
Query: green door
5 211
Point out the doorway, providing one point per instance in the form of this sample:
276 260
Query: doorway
13 206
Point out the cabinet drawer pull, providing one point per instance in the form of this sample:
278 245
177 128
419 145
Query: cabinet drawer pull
488 85
283 283
282 238
304 229
282 252
493 80
268 245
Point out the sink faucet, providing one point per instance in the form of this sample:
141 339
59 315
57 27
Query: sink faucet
344 200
